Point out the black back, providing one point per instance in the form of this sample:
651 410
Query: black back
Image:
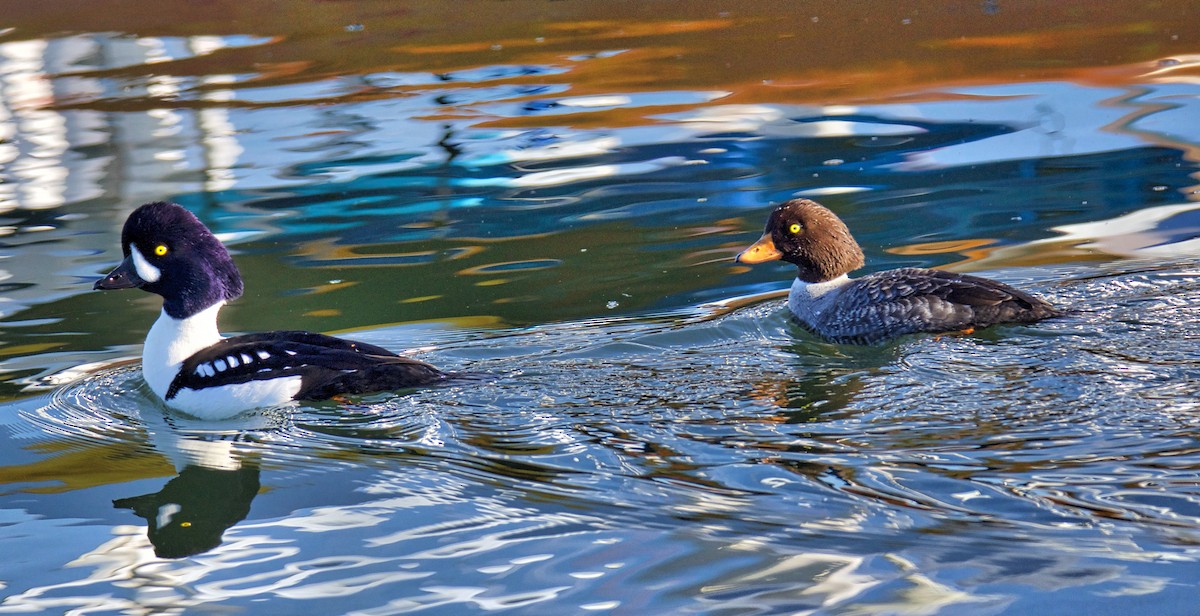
328 366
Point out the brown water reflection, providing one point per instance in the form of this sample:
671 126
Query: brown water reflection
759 52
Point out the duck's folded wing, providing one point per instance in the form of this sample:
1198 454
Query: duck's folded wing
911 300
326 365
985 293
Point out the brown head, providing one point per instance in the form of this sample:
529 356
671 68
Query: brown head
809 236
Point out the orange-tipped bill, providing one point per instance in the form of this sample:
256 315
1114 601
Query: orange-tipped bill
761 251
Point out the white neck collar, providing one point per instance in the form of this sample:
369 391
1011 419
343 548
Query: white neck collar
172 340
817 289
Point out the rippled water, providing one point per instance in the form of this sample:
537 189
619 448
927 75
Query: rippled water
549 200
714 459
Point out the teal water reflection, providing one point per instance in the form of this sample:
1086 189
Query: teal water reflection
645 431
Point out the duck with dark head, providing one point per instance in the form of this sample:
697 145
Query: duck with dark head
883 305
187 362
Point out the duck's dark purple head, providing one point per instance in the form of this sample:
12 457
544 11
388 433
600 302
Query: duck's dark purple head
168 251
809 236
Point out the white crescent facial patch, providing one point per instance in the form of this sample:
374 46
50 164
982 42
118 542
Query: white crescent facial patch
145 271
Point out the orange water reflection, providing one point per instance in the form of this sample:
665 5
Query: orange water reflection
760 52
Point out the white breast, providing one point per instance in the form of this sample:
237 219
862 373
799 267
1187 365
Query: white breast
172 340
810 301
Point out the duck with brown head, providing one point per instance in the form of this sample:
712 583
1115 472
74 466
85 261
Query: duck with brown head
880 306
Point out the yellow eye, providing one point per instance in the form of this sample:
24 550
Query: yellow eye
795 228
185 524
160 250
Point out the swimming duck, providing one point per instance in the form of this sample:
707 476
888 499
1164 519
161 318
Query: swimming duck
883 305
192 368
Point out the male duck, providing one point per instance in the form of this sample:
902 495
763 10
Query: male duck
187 362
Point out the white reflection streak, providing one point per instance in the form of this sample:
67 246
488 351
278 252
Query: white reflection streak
731 118
710 503
122 561
349 586
595 101
1177 64
558 177
285 581
570 149
1138 585
8 148
128 561
514 530
449 595
34 163
324 519
217 130
1144 233
145 154
837 579
925 596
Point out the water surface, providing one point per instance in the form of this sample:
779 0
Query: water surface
549 196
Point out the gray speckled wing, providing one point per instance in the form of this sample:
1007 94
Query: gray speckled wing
903 301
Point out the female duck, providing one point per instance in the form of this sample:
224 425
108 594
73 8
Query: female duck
187 362
883 305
